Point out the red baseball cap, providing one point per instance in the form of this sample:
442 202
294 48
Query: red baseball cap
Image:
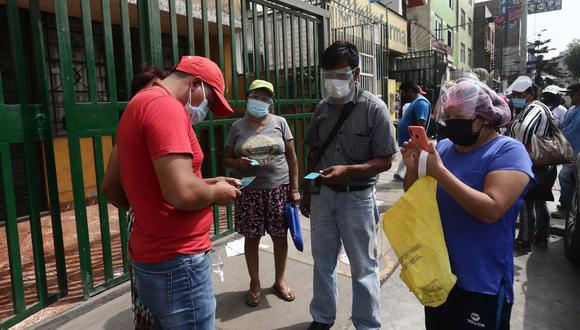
210 74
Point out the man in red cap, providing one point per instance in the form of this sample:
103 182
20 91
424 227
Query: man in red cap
160 165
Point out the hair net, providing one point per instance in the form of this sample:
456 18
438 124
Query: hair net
473 98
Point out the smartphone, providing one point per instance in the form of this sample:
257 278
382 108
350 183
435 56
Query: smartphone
312 183
419 136
244 182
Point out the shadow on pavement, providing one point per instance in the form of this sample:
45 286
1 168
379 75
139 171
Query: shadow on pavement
231 305
551 289
119 320
299 326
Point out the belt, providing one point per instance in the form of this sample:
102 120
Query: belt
345 188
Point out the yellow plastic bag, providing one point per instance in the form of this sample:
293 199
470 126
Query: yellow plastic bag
413 227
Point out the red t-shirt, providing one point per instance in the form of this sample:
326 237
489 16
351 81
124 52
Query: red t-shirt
153 125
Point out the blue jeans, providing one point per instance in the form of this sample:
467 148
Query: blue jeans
350 217
178 292
567 181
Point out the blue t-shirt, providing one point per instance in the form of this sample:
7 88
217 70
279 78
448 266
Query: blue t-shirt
571 128
481 254
419 110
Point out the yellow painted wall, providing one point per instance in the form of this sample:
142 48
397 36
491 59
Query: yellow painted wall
63 172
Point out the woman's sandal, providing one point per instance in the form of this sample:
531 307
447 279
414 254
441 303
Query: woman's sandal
253 299
286 294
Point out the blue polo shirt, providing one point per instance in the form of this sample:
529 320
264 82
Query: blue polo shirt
419 110
481 254
571 128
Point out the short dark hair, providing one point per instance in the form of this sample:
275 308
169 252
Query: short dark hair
339 52
140 80
409 86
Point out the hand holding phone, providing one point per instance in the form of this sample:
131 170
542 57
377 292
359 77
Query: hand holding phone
419 136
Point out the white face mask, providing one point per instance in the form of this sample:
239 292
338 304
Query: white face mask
337 88
197 114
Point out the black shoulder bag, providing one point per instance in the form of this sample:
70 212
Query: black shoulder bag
317 151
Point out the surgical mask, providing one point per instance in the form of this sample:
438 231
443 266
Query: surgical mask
337 88
257 109
197 114
460 132
519 102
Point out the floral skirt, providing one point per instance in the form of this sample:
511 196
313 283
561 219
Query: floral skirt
261 211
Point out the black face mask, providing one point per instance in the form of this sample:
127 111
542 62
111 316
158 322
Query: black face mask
460 132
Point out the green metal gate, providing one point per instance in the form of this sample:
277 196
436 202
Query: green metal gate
68 71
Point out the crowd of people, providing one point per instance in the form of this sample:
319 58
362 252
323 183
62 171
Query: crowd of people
486 181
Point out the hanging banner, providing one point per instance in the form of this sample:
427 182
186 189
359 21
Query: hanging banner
542 6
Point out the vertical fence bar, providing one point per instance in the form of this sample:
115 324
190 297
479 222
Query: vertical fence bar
266 42
65 52
89 49
256 34
301 63
293 50
245 43
150 32
41 69
174 39
205 22
12 227
16 278
190 36
29 158
285 57
127 52
233 41
276 59
109 50
220 34
308 59
103 211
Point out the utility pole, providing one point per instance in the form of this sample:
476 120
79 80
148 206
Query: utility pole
504 54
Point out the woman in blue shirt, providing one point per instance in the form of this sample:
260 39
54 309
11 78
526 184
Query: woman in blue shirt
481 179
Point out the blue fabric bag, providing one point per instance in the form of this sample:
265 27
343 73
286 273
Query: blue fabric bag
293 222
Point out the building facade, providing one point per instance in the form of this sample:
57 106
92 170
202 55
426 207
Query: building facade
483 39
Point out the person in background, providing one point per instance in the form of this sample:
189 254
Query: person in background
111 184
418 114
571 130
481 179
532 117
261 145
160 170
345 210
552 98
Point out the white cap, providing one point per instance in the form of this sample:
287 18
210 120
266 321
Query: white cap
553 89
521 84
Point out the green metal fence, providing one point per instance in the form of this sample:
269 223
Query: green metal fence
69 69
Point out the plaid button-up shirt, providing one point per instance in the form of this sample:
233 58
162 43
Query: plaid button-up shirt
366 134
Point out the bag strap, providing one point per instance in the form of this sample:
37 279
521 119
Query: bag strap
423 163
346 111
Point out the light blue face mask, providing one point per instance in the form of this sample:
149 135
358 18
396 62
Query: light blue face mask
257 109
197 114
518 102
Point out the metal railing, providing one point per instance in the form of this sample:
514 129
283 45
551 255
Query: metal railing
276 40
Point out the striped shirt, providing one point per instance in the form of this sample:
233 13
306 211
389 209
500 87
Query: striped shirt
366 134
534 119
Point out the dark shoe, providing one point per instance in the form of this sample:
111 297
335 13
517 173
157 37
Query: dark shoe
397 177
320 326
561 213
522 246
541 242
